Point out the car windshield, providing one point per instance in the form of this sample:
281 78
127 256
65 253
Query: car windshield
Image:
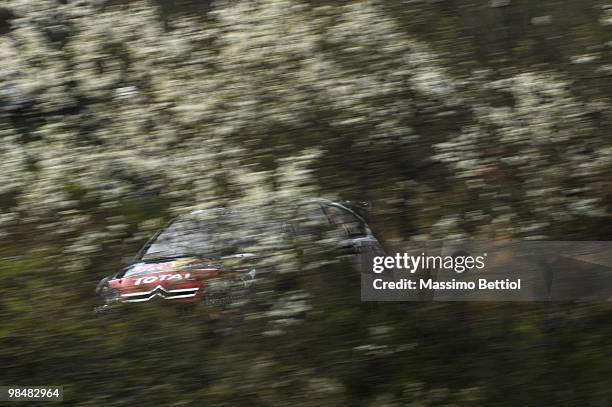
202 235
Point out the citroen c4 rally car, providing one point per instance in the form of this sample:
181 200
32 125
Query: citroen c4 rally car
183 262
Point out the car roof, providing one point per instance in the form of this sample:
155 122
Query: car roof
223 210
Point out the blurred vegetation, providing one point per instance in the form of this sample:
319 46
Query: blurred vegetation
455 118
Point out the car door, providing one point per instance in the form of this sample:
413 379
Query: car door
357 236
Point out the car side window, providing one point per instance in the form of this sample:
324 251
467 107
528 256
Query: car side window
340 217
311 214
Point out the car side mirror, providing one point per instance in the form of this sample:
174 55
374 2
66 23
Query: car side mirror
348 249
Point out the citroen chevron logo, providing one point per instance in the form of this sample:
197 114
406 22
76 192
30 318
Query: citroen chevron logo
161 292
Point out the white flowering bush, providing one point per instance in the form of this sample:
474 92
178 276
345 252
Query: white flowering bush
115 118
525 161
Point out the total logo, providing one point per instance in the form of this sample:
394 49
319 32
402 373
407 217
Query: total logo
163 277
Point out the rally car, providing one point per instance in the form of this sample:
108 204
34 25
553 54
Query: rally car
203 256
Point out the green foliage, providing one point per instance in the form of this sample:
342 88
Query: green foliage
456 118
